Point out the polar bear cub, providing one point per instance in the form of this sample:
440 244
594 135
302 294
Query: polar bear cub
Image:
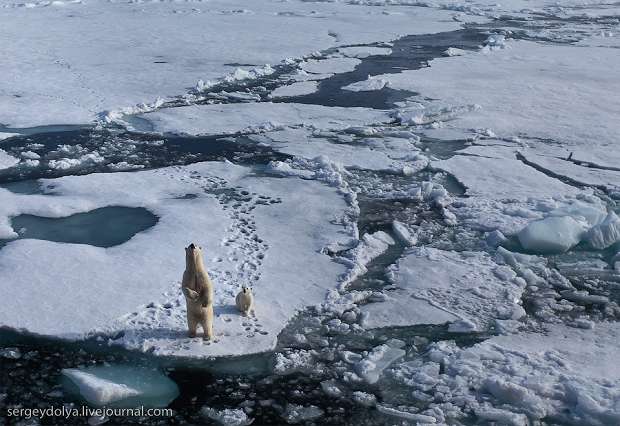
198 292
245 301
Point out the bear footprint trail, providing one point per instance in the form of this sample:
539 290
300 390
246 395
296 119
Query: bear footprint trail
245 251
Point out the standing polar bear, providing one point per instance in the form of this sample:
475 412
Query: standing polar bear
245 301
198 292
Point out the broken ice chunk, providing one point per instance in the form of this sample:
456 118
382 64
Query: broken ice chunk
403 234
380 358
227 417
295 413
551 235
120 386
418 418
462 326
605 233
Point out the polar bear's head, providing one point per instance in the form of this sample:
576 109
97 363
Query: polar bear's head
193 256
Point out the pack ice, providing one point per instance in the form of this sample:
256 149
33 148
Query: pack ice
468 290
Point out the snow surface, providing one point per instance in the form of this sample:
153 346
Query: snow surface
243 244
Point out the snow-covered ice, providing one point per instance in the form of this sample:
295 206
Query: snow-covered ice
55 77
362 52
242 240
226 417
7 160
254 117
368 85
434 286
554 234
295 89
378 359
330 65
566 374
554 98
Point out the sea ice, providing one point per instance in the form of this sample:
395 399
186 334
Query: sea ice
554 234
378 359
362 52
134 296
330 65
253 118
7 160
605 233
121 386
534 376
59 78
436 286
295 89
227 417
372 83
554 98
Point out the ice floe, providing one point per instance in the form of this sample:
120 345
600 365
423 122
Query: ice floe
7 160
434 286
295 89
372 83
241 236
330 65
554 97
253 118
120 386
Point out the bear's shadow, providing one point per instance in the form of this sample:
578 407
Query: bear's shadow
224 312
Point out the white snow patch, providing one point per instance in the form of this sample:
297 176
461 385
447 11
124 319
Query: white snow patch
7 160
330 65
368 85
295 89
362 52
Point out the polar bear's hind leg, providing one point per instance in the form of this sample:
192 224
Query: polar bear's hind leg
192 325
207 323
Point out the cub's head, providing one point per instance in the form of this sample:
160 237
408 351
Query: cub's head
246 290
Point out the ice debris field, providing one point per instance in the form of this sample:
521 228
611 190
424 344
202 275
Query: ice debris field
422 195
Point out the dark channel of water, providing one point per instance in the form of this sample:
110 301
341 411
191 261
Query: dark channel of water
136 151
408 53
